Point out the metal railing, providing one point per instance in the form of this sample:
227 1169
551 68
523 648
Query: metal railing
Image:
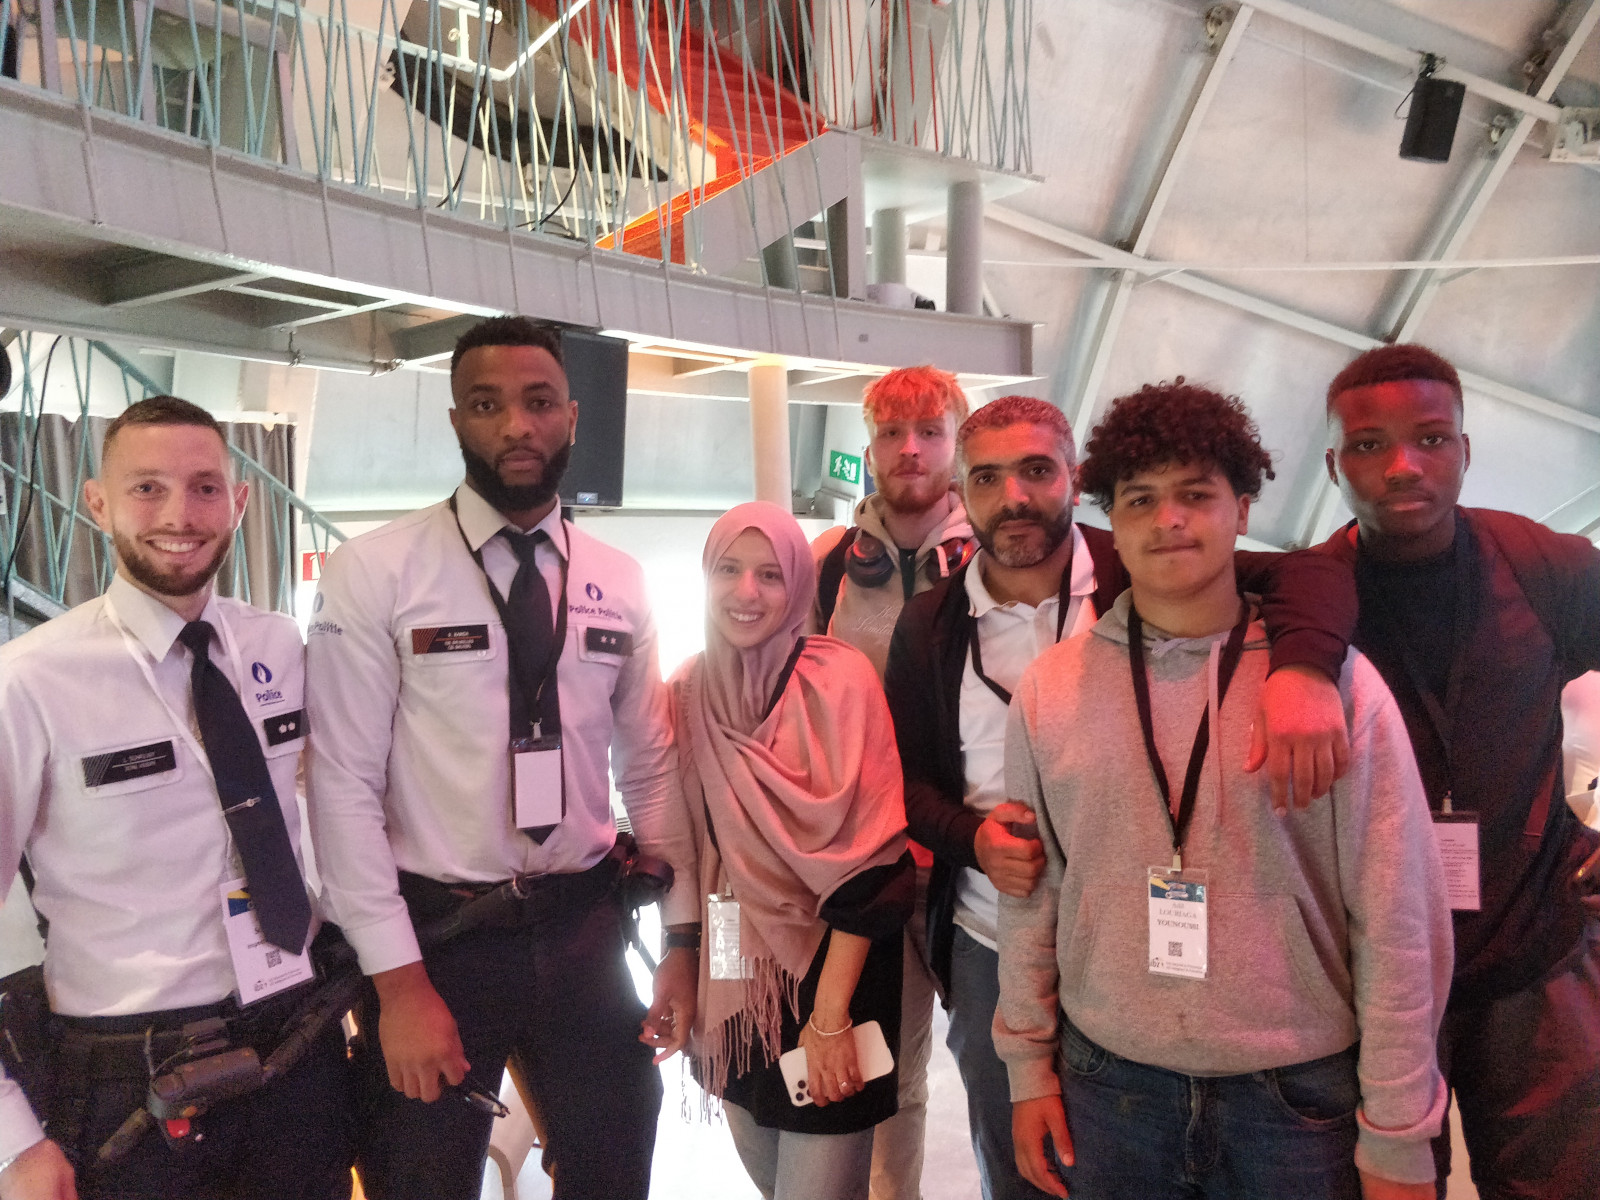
570 116
43 512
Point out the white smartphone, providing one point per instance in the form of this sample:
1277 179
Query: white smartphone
872 1057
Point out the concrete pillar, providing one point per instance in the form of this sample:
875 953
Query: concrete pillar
963 264
889 245
769 430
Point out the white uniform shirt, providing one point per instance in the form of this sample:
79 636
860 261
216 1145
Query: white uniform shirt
411 768
104 785
1010 637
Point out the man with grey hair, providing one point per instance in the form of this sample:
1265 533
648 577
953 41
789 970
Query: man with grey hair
959 649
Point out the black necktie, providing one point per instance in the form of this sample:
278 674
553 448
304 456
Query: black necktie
249 801
530 632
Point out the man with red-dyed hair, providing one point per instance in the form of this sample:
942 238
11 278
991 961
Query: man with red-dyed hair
907 536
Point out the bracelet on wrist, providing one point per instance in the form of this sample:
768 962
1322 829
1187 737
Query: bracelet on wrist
820 1032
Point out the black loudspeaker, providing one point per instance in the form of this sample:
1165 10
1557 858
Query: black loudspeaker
1431 123
597 378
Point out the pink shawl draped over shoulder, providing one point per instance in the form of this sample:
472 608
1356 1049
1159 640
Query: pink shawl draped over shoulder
801 799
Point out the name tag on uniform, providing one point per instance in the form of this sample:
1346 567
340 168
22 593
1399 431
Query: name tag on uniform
285 727
450 639
722 939
136 762
260 969
608 641
538 782
1456 834
1177 923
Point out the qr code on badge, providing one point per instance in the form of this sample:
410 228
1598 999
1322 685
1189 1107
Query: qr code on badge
1174 949
274 958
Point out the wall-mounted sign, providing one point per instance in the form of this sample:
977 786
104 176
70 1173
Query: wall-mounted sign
846 467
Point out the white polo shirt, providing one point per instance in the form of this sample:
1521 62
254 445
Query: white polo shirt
1010 637
105 787
412 771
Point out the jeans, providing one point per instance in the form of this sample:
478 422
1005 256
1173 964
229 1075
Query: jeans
1283 1134
897 1142
801 1166
974 992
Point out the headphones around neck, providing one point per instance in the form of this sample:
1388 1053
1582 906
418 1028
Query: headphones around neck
869 563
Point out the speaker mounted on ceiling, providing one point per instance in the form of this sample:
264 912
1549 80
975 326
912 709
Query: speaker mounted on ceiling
1435 110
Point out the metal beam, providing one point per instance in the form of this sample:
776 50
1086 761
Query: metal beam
1405 56
1272 311
1416 291
154 280
1224 41
432 340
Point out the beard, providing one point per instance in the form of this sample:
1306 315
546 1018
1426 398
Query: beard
167 583
516 497
910 496
1056 530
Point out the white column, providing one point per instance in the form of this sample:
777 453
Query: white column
889 245
769 430
963 262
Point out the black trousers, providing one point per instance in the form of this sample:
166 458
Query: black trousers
557 992
291 1140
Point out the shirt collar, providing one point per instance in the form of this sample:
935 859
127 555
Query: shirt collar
480 521
1082 583
153 625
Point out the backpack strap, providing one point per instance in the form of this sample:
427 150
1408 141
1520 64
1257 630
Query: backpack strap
831 574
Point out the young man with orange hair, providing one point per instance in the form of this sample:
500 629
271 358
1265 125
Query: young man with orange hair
907 536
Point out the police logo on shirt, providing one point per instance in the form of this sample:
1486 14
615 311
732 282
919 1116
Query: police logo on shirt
285 727
592 590
119 766
608 641
449 639
261 673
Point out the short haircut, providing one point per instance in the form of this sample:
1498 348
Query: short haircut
162 410
1018 410
913 394
508 331
1174 422
1390 364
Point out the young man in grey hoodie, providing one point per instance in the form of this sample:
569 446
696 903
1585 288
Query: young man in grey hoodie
1244 1004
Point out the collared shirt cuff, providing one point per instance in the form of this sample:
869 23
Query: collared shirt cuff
1032 1078
1403 1160
681 905
19 1128
385 945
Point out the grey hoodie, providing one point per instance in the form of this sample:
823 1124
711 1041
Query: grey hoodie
1326 925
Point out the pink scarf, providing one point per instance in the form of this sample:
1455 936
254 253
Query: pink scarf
801 799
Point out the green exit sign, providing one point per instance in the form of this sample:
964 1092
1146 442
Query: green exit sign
844 466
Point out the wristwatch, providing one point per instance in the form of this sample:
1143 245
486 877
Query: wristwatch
681 939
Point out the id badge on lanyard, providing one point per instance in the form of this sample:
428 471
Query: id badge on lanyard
723 938
538 782
260 969
1178 939
1456 835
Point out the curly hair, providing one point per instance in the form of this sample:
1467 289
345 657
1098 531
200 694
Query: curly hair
1174 422
1018 410
913 394
508 331
1389 364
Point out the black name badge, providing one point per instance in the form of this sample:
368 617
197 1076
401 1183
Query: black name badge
136 762
608 641
449 639
285 727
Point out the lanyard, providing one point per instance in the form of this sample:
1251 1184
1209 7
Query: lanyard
1202 738
1063 600
137 652
1389 627
547 670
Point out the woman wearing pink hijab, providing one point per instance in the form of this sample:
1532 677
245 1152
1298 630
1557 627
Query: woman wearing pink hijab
793 785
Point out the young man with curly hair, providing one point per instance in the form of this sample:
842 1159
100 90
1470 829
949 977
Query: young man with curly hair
961 646
1241 1004
1477 619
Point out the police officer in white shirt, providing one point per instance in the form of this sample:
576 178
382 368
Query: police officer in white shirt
150 861
472 665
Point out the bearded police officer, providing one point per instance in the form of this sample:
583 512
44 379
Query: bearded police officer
149 741
474 663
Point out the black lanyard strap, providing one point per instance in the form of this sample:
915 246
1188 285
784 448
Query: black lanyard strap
517 673
1231 654
1391 630
1063 599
